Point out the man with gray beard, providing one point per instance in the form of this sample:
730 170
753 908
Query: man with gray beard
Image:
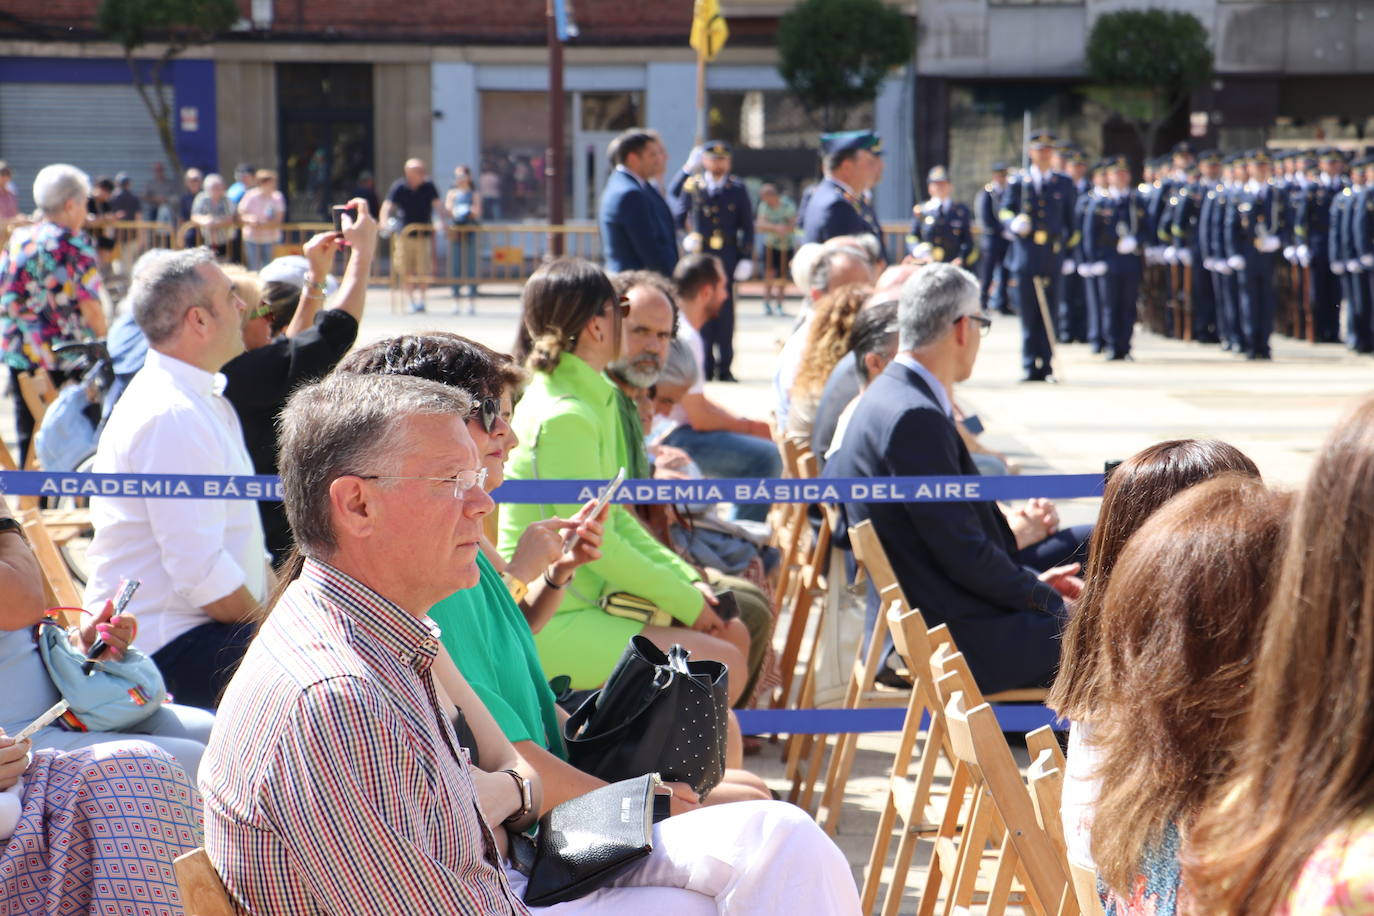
647 332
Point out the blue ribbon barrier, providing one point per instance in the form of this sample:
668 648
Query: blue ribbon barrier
1014 717
552 492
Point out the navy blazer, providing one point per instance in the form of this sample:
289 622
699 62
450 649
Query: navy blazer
636 227
956 561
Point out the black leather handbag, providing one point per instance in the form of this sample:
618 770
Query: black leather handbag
589 841
657 713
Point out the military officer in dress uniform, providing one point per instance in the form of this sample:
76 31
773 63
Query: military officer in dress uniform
1037 209
1346 225
1087 269
1111 243
1185 230
713 207
1256 227
1362 240
992 242
836 205
1312 235
1071 322
941 230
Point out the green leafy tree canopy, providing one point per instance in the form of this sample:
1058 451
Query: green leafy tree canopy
834 54
1144 64
178 24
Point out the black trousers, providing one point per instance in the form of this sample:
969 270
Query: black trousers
718 334
23 419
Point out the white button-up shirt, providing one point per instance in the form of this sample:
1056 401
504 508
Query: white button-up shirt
174 419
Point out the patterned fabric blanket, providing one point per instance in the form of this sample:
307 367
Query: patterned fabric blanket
98 834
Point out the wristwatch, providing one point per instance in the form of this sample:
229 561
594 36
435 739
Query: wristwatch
526 797
517 589
12 524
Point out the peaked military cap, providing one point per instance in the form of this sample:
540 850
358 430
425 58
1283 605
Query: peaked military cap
939 173
715 148
1184 148
1041 138
846 140
998 166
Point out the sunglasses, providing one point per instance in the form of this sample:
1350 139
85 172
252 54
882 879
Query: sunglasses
488 411
262 311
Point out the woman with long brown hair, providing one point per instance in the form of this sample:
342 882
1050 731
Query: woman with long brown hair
826 344
1292 829
1185 608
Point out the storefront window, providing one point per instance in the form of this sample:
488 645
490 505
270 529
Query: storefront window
514 139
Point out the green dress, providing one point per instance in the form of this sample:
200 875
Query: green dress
490 642
569 427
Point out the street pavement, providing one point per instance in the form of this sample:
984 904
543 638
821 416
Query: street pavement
1277 412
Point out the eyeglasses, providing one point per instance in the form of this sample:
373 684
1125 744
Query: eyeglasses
984 323
462 481
489 411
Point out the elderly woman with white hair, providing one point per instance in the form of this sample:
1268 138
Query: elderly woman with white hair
213 213
49 286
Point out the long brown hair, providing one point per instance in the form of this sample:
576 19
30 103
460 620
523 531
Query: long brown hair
827 341
1138 486
1305 762
1185 607
559 300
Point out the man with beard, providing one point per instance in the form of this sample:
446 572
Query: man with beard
647 334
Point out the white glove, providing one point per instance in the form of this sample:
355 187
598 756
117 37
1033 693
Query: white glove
1100 269
1185 257
691 242
1221 268
1007 235
1354 266
1304 255
744 270
693 160
1171 255
1021 225
1085 270
1270 244
921 251
1367 260
1067 267
1289 253
1207 264
1337 268
1126 244
1235 262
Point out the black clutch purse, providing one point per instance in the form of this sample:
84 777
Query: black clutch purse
589 841
656 713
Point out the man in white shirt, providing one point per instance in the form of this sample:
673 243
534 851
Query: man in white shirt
722 443
202 563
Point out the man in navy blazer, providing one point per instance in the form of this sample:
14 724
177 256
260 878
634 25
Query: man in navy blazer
637 230
993 580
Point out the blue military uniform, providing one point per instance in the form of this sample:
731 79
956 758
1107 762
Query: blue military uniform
1212 248
1312 229
833 209
1185 232
992 245
1071 322
1359 249
1111 230
1256 227
1038 210
942 230
719 219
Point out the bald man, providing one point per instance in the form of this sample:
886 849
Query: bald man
411 202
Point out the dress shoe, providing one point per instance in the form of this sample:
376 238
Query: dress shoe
726 377
1033 376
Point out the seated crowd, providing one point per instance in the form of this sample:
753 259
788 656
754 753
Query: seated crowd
371 691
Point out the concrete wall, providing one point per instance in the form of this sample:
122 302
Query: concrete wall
403 118
246 107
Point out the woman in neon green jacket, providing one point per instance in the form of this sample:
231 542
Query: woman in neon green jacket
569 428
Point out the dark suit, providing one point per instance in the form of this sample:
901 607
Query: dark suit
830 210
636 227
956 561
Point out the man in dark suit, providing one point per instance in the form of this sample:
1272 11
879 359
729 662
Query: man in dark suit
993 580
713 206
836 206
636 225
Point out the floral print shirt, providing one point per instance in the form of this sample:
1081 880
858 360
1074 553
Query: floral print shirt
1338 878
46 272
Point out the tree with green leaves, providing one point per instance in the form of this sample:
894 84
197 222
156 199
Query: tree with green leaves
834 54
177 24
1144 64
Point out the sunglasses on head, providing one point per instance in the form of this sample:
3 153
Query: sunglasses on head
488 411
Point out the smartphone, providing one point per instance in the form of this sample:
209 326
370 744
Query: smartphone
122 599
727 607
338 211
56 710
601 501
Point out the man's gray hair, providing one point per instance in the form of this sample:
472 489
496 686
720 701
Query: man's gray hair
56 184
165 288
348 424
824 269
680 366
932 299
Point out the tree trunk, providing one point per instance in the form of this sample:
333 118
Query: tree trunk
159 109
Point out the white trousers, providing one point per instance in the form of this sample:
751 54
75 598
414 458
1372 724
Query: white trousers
749 858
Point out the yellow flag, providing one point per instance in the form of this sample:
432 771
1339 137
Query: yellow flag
709 30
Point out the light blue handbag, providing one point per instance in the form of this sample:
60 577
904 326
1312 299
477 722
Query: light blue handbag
66 435
115 696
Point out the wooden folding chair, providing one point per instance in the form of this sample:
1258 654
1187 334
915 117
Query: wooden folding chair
38 391
1045 778
202 890
789 534
913 804
805 588
58 578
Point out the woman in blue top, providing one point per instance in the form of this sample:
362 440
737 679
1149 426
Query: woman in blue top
464 207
